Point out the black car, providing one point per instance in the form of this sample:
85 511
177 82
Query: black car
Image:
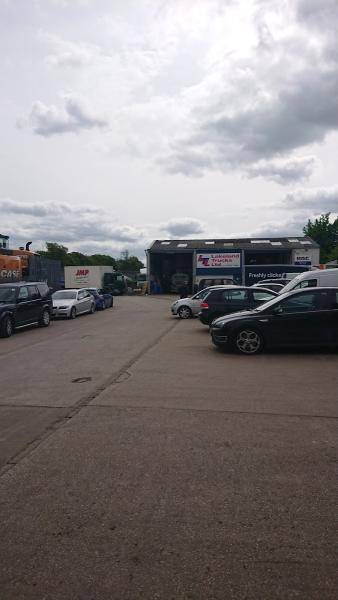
232 299
307 317
24 304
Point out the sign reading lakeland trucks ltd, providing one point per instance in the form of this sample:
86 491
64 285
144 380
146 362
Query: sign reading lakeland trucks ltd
219 260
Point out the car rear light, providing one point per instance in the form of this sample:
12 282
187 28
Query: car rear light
204 305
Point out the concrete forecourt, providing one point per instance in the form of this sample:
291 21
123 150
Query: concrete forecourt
139 462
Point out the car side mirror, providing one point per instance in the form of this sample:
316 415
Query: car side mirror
277 311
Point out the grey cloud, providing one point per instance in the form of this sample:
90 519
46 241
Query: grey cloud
66 224
73 116
38 209
284 171
318 200
288 228
183 227
266 107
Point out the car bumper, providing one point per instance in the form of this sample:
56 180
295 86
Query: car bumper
204 319
173 310
219 340
60 312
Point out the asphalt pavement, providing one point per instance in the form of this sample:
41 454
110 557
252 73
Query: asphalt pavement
138 462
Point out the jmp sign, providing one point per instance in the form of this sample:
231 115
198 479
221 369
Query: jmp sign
219 260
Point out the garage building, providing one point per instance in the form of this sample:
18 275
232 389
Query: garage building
175 263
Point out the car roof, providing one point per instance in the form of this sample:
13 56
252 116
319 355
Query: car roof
237 287
22 283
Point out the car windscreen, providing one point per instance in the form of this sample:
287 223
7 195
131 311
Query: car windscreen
267 304
7 294
64 295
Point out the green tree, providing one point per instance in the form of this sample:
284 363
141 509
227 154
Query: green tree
55 251
131 264
103 259
325 233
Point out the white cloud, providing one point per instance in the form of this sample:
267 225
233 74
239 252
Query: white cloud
73 116
315 200
284 171
183 227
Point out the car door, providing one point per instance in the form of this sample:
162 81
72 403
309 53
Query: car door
25 307
229 300
88 300
295 320
195 301
36 303
329 318
81 302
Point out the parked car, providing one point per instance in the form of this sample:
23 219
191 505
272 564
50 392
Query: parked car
70 303
274 287
231 299
204 283
108 298
99 299
306 317
189 307
23 304
318 278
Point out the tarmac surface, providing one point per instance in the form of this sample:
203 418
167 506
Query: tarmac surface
138 462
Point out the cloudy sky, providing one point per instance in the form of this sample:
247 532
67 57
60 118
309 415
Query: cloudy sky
123 121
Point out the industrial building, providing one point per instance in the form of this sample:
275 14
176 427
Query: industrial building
171 263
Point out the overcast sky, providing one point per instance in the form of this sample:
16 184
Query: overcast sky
123 121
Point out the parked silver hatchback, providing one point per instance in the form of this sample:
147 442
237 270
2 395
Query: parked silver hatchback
70 303
189 307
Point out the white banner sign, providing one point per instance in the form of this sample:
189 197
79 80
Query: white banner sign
220 260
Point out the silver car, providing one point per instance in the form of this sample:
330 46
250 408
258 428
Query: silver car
186 308
70 303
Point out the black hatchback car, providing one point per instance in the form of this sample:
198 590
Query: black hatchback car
232 299
23 304
307 317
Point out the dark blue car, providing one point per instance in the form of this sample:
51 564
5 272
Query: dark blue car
102 299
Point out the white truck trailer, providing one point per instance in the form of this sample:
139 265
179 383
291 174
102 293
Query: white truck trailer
96 276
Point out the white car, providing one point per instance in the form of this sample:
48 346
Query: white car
186 308
70 303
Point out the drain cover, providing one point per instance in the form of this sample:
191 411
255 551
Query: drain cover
81 379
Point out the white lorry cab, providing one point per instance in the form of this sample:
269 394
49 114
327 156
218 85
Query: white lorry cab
320 278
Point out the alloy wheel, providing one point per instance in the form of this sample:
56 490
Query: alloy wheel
248 341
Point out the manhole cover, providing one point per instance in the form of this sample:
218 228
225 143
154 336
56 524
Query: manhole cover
81 379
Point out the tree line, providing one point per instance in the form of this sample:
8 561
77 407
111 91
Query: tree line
126 263
325 233
322 230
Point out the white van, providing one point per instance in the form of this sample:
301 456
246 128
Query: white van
320 278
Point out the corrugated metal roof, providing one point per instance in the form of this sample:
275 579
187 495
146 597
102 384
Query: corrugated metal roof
273 244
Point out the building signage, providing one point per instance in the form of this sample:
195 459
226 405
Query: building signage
302 259
219 260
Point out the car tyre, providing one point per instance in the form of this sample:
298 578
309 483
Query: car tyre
184 312
45 318
72 314
248 340
6 327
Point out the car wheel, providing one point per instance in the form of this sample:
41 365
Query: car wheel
45 318
6 327
72 314
184 312
248 341
111 303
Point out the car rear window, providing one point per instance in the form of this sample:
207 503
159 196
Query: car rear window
43 289
234 295
262 296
